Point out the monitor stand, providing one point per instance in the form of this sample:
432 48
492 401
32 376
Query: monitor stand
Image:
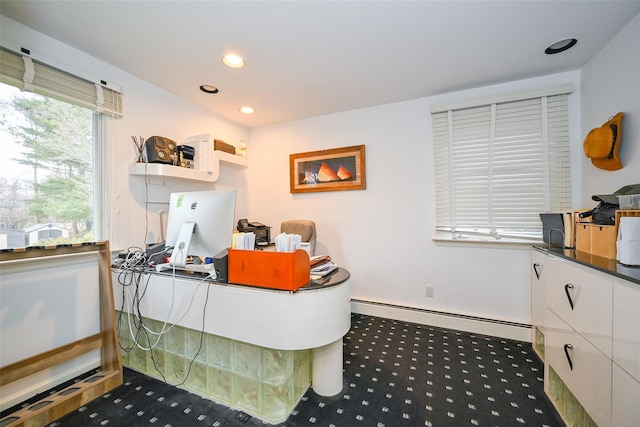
198 268
178 260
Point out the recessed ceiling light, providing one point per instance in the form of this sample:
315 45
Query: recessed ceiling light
246 110
560 46
233 61
208 89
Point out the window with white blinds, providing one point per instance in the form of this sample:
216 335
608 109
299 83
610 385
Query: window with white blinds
76 169
28 74
500 162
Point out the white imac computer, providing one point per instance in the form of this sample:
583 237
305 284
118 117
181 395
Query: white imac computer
200 225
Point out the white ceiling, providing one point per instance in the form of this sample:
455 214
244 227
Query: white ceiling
310 58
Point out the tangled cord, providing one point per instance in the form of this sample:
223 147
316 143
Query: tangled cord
132 268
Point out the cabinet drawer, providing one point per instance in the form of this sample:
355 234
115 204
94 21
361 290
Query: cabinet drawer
625 411
538 275
588 375
626 327
583 299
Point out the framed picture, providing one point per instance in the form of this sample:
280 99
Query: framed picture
335 169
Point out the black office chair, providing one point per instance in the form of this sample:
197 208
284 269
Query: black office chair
303 227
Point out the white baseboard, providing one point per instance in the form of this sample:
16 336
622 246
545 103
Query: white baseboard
476 325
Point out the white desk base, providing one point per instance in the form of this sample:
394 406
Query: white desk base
315 319
326 369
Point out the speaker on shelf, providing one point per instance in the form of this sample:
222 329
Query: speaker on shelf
161 150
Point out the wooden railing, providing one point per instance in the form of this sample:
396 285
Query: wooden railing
60 403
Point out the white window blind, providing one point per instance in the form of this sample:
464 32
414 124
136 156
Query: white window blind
499 164
22 71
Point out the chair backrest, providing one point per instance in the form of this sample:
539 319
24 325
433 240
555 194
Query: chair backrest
303 227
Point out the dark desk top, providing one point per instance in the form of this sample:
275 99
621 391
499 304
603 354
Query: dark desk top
605 265
335 278
338 277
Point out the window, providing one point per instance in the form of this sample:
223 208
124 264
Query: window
499 163
52 125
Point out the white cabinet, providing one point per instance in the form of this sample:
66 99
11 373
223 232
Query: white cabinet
626 327
626 354
538 276
591 331
584 369
625 411
583 299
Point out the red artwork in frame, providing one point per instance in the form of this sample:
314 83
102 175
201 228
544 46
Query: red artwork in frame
335 169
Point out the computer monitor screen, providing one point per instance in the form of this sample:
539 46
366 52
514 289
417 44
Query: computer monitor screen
200 224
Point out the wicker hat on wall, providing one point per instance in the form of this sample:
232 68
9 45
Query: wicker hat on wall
602 145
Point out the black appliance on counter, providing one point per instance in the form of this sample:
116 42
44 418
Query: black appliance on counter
262 232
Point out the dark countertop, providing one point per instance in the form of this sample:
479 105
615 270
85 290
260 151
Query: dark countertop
335 278
605 265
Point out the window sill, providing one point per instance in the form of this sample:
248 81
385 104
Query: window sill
484 241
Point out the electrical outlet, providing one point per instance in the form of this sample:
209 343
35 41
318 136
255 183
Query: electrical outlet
428 291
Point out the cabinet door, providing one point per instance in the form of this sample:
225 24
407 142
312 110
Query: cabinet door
582 298
584 369
626 391
626 327
538 275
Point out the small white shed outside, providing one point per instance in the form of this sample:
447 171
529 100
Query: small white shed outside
39 232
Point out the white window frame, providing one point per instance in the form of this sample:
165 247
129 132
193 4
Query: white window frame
104 99
477 138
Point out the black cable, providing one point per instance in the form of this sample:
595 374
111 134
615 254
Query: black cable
130 274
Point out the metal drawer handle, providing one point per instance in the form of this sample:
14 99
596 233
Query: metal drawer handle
535 268
568 347
567 287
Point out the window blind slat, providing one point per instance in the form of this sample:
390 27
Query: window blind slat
11 68
58 84
495 172
505 98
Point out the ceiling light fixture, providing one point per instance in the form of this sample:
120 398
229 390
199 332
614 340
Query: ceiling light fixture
233 61
208 89
560 46
246 110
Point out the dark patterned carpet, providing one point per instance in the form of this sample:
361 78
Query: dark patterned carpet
396 374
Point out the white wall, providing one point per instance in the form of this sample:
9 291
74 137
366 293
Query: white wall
383 234
611 84
47 302
148 110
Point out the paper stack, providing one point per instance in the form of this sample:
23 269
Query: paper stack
244 241
288 242
321 266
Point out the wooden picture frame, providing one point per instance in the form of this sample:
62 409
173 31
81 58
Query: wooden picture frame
335 169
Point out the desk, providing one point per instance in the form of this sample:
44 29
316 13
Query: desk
314 318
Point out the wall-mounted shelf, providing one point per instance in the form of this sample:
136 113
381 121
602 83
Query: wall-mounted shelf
230 159
177 172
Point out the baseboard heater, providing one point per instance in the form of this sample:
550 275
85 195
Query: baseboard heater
443 319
